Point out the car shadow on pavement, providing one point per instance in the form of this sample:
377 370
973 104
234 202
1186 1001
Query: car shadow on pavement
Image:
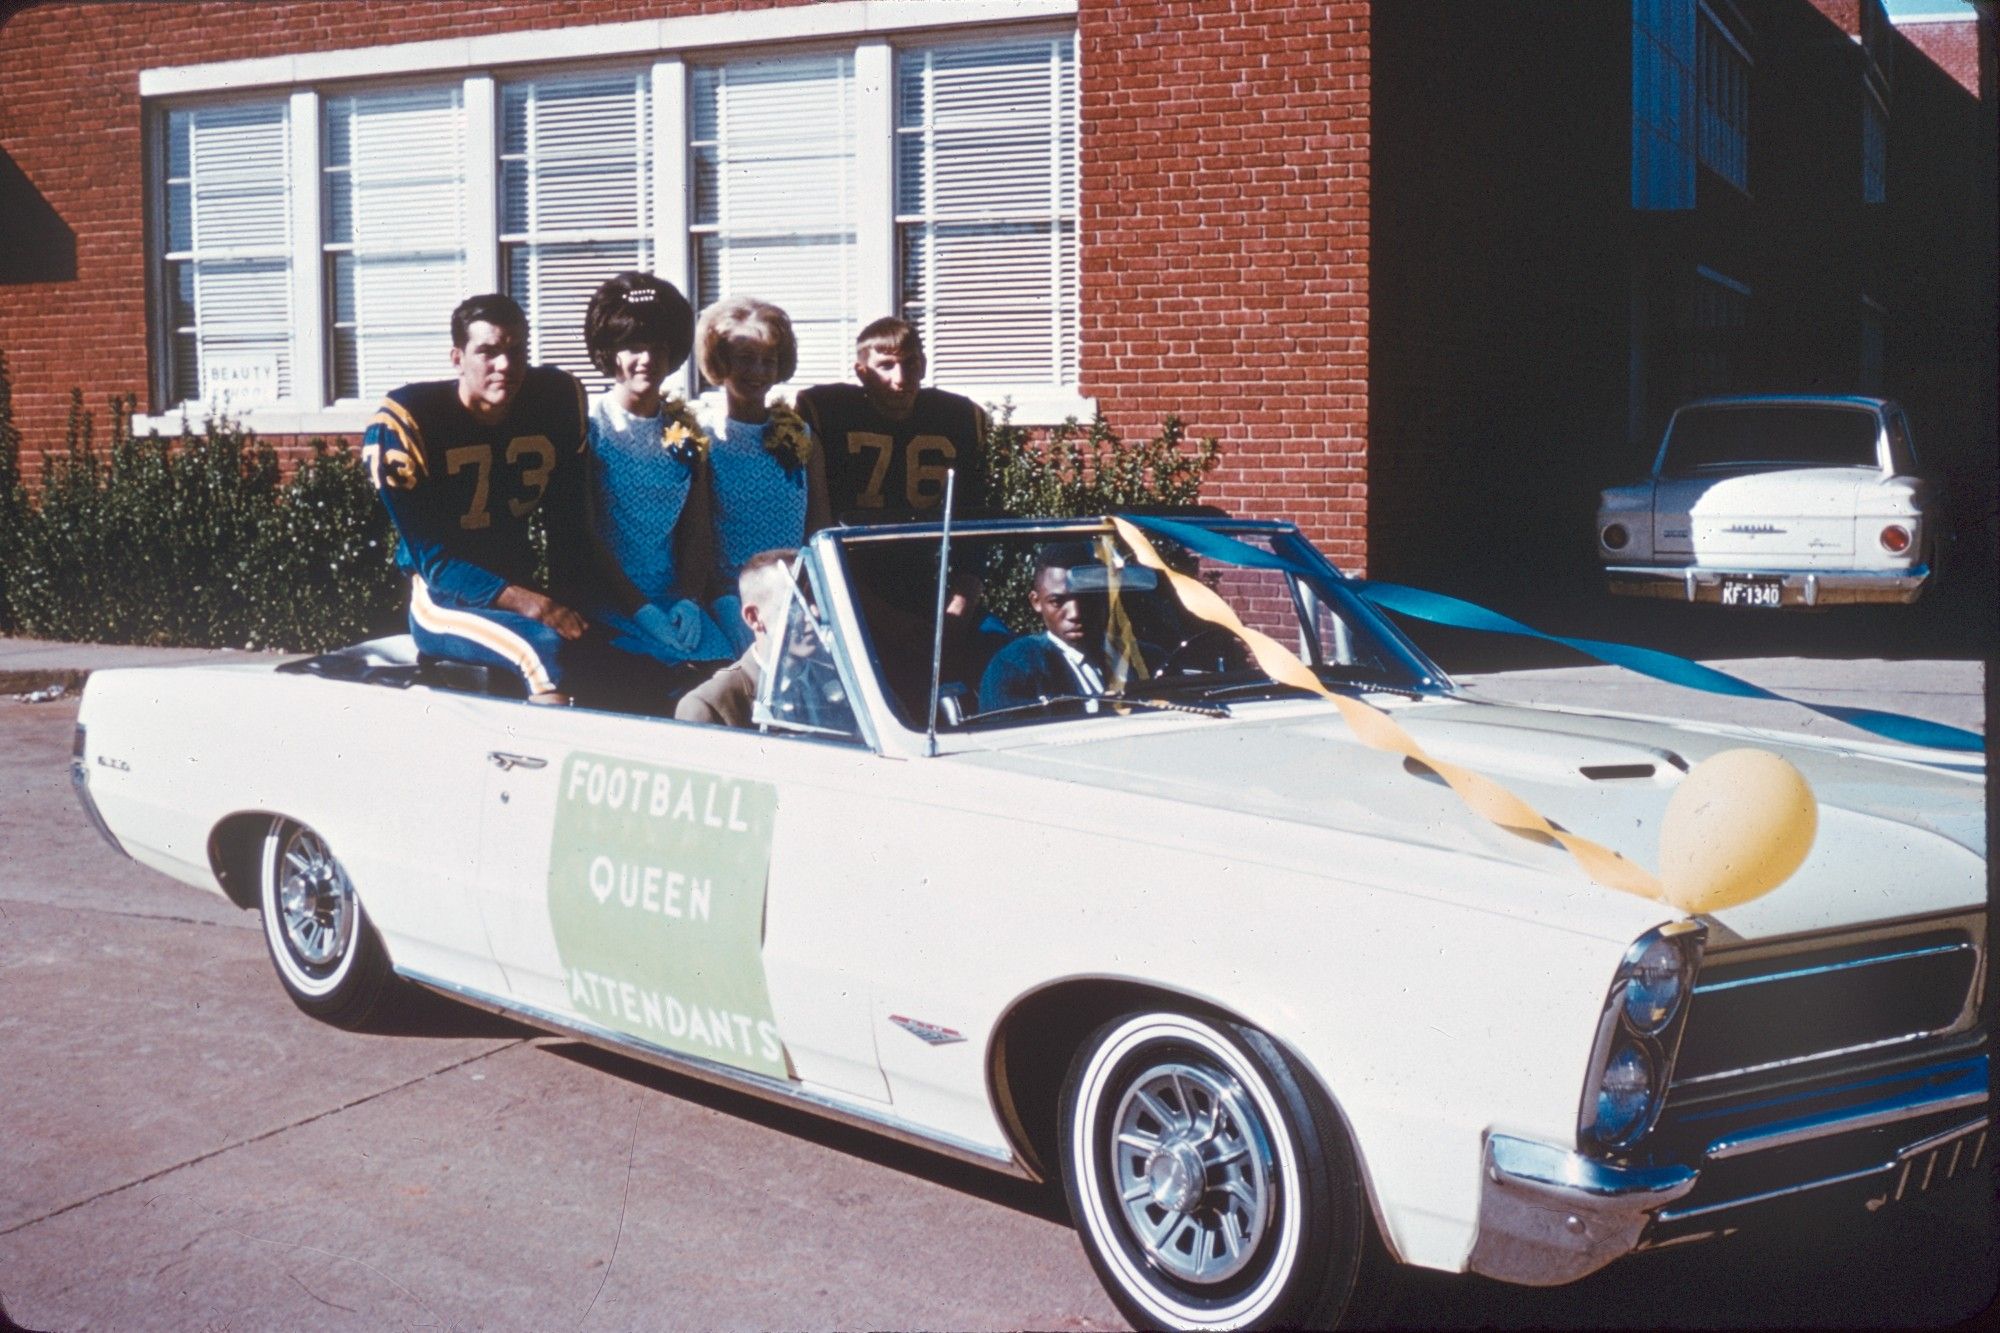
1023 1196
414 1012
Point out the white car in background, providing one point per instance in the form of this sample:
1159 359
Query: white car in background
1271 1002
1775 501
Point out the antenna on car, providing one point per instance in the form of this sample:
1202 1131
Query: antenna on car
937 633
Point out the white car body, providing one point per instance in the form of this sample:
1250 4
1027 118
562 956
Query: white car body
930 918
1751 527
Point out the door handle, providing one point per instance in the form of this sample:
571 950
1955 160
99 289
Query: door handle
506 762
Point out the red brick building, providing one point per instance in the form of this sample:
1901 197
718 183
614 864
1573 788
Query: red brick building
1418 264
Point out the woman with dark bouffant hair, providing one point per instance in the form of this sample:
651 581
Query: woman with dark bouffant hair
649 481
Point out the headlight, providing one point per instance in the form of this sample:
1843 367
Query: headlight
1625 1095
1614 536
1654 985
1638 1033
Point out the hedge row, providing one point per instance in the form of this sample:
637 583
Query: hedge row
198 541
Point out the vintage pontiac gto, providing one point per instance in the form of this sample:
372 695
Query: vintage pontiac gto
1777 500
1273 1002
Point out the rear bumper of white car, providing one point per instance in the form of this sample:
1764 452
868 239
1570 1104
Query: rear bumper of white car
1708 583
1549 1216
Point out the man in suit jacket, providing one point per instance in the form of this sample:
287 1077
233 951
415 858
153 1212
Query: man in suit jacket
808 694
727 697
1067 658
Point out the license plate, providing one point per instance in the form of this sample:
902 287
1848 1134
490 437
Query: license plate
1753 592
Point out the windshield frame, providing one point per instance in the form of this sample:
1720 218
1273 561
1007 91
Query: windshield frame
890 735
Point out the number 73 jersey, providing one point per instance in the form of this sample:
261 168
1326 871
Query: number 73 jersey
876 467
460 491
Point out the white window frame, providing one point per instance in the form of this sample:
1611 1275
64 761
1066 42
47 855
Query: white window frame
870 28
302 195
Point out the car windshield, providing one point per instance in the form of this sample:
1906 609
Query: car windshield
1706 438
1063 621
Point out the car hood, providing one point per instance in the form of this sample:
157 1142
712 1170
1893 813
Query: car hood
1896 837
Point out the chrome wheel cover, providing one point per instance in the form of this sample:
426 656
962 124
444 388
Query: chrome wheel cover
1191 1165
315 902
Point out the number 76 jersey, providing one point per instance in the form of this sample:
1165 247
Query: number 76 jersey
878 468
461 492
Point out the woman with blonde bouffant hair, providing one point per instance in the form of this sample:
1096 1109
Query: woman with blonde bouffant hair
766 467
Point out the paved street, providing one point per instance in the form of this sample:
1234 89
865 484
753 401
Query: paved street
181 1149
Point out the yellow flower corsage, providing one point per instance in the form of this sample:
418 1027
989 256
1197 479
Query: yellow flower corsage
787 438
681 434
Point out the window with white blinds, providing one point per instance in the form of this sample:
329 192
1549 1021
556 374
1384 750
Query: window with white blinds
576 181
771 172
227 258
394 194
311 242
986 209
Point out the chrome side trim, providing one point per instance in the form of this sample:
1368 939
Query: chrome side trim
1966 1090
1548 1216
1871 961
708 1071
1789 1061
1783 1191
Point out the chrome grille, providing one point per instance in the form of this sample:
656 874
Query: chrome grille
1761 1010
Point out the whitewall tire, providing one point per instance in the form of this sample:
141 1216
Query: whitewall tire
1212 1183
327 954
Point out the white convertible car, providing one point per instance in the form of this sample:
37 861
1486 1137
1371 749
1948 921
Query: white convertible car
1777 500
1271 1000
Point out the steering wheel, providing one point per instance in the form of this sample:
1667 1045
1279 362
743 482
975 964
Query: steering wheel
1221 642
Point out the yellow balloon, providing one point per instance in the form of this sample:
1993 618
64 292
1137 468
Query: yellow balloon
1740 824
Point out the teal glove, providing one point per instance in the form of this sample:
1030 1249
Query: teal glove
677 628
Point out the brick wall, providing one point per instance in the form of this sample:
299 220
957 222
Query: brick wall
1225 243
1224 228
1952 47
70 124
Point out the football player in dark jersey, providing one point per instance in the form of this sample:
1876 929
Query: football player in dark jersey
461 464
888 440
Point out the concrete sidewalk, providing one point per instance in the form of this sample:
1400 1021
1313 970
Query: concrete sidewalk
31 665
1940 690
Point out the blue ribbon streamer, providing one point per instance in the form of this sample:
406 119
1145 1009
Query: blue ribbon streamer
1439 609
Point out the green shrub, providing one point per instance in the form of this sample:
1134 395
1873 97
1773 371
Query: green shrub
1084 470
195 542
1080 471
13 498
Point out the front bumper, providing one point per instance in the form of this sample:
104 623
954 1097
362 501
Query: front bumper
1836 587
1549 1216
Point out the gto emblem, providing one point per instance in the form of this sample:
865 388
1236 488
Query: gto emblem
1753 528
107 762
927 1032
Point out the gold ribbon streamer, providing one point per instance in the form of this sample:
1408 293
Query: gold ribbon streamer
1379 731
1122 653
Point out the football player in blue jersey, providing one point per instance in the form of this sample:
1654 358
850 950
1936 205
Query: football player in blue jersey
888 440
461 465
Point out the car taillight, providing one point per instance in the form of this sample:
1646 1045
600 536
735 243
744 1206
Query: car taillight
1614 536
1895 539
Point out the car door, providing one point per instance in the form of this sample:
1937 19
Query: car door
668 882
